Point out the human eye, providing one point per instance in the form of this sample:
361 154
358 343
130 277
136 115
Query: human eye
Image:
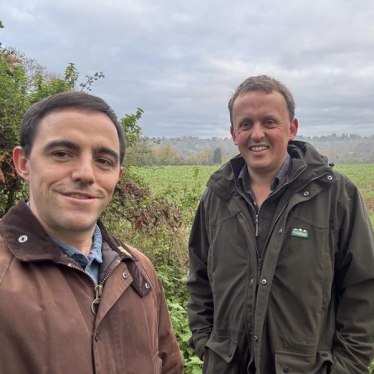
61 155
270 122
245 125
104 162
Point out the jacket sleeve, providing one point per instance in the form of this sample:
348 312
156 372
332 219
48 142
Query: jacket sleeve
168 347
353 347
200 305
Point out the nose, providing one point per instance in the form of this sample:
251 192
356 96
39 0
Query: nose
257 133
83 171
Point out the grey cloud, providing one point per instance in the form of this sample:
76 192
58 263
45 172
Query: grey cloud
181 61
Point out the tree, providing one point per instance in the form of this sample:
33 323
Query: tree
132 130
217 156
167 155
140 153
13 103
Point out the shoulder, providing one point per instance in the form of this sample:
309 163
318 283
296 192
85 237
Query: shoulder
141 257
345 189
145 264
127 251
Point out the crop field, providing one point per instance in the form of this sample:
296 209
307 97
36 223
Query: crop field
191 180
161 178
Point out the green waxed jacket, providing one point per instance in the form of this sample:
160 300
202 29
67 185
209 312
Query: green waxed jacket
310 309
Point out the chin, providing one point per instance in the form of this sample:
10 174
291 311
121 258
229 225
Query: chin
78 225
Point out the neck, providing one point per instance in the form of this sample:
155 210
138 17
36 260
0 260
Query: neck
81 241
261 186
261 180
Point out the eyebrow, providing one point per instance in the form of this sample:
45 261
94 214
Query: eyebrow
62 143
108 151
76 147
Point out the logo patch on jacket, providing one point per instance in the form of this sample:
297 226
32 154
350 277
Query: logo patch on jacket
300 233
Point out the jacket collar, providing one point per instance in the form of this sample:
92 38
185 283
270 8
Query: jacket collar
304 156
26 237
28 241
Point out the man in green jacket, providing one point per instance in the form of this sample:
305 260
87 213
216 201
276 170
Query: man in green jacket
281 252
73 298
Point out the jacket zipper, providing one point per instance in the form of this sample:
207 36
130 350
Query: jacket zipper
259 259
98 293
257 213
99 288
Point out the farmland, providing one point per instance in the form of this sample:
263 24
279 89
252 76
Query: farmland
188 182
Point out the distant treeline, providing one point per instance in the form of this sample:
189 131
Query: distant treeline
190 150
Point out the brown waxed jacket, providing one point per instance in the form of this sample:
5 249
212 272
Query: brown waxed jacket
46 322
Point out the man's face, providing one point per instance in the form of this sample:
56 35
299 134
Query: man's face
72 170
261 130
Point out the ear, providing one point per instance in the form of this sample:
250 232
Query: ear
21 162
233 135
293 128
120 173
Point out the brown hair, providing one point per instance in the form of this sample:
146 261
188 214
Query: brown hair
266 84
61 101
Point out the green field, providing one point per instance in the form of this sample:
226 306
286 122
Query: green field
192 179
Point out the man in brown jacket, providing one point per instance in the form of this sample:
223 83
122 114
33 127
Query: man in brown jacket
73 298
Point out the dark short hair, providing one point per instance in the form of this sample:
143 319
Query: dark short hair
266 84
63 101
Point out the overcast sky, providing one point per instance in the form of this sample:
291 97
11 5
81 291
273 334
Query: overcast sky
180 61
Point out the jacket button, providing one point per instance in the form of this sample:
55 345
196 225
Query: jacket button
124 275
96 336
255 338
280 231
264 281
329 178
23 238
252 280
230 354
306 193
286 369
147 286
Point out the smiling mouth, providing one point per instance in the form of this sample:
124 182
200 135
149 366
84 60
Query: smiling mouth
258 148
78 196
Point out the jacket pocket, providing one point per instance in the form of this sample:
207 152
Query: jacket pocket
220 357
157 364
295 363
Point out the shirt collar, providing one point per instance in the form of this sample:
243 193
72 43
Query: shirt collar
81 258
282 172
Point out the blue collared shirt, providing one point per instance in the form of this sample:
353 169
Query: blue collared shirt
91 262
